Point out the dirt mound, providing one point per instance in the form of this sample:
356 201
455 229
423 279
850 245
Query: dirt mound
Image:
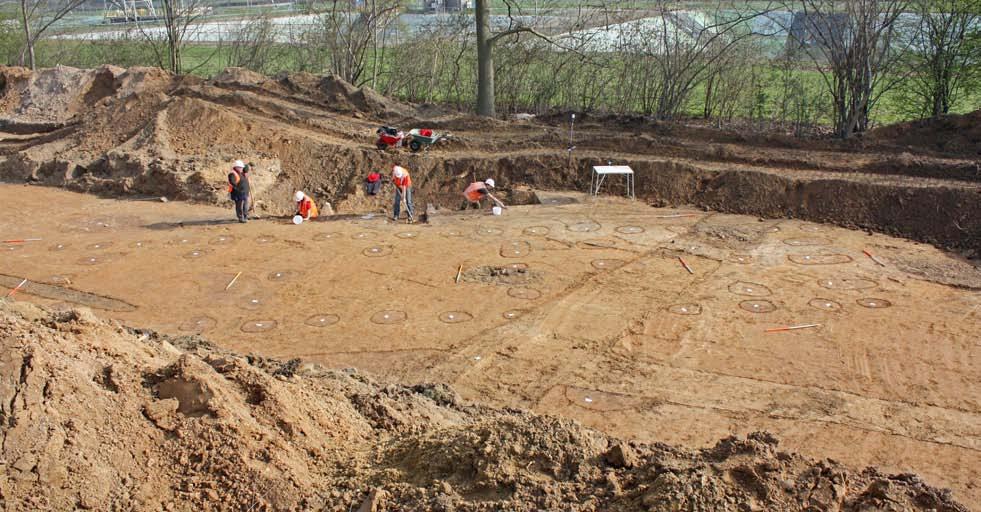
953 133
344 96
99 416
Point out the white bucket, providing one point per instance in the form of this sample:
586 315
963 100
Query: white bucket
297 219
497 210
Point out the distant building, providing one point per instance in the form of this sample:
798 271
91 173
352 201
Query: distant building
810 31
447 5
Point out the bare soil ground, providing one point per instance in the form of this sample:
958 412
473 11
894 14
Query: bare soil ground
603 325
100 417
575 307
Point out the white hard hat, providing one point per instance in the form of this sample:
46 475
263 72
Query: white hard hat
399 171
489 182
298 196
239 164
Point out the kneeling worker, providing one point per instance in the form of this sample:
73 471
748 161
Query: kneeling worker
305 207
477 191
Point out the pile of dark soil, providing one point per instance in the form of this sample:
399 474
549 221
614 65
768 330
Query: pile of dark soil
98 416
953 133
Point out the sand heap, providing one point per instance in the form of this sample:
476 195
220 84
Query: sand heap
143 131
99 416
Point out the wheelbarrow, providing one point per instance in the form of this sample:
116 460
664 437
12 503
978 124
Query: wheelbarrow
418 138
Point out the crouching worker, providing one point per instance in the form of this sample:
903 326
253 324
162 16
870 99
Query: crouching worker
373 183
239 190
477 191
305 207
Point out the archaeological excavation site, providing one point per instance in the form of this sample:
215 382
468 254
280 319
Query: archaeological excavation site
758 323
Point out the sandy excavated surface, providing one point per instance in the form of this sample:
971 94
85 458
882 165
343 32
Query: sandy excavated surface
588 314
96 416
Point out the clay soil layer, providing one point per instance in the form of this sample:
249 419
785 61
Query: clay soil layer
579 307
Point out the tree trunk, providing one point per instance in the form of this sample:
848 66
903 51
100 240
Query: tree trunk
28 38
485 62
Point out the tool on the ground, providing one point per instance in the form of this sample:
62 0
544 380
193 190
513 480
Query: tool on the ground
873 258
21 240
16 288
459 272
230 283
674 215
684 264
792 327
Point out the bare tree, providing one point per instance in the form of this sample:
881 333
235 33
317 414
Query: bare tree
36 17
348 31
181 18
946 54
857 46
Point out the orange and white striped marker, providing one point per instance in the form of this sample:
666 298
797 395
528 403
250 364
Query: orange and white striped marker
873 258
16 288
683 264
792 327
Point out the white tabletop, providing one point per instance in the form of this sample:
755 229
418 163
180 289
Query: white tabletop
612 169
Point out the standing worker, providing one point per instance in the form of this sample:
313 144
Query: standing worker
477 191
239 189
305 207
403 188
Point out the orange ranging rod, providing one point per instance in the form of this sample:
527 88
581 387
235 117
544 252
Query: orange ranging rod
683 264
873 258
18 287
792 327
21 240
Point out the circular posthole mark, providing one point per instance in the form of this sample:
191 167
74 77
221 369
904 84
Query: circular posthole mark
869 302
749 289
680 230
322 320
222 240
596 243
513 314
515 249
389 316
686 309
455 317
195 254
265 239
630 230
252 303
819 259
607 264
584 227
320 237
364 235
11 248
139 244
407 235
772 229
741 259
536 230
804 242
58 247
98 246
183 241
377 251
824 304
516 266
258 326
758 306
487 231
282 275
811 228
521 292
847 283
452 233
198 324
91 260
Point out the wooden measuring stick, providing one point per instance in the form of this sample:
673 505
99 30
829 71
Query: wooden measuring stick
792 328
873 258
459 271
18 287
230 283
683 264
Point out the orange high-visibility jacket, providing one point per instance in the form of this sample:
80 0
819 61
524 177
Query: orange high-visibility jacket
307 206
